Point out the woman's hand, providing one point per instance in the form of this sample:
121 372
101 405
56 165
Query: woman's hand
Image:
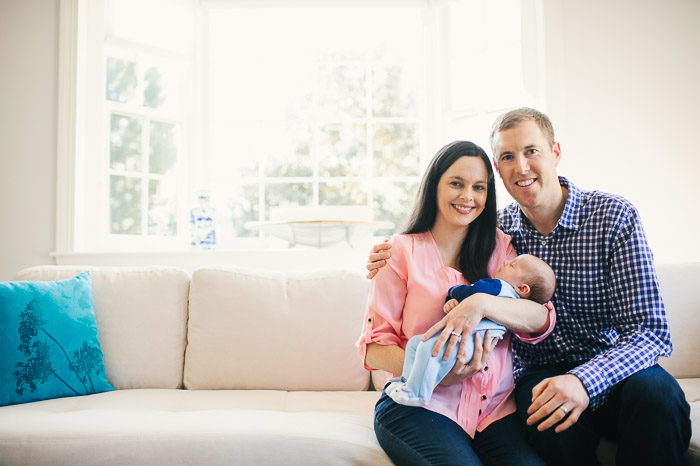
462 320
482 351
378 257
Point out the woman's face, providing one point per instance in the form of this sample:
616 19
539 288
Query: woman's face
461 193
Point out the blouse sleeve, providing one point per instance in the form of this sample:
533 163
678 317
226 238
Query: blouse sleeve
387 296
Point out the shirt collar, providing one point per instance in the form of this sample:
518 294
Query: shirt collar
569 218
572 209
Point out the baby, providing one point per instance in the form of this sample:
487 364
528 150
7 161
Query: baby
526 276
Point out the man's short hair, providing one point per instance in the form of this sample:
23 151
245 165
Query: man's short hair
513 118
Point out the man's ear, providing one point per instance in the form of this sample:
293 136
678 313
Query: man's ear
523 290
556 148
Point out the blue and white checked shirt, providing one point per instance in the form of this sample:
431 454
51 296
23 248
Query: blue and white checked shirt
610 315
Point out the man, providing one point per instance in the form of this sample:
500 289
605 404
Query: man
597 373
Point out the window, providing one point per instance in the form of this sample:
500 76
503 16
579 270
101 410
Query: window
273 109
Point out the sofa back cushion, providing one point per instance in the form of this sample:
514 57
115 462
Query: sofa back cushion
270 331
681 295
141 315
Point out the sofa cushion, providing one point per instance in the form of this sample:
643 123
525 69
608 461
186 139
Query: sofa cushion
49 346
681 296
142 318
255 330
222 427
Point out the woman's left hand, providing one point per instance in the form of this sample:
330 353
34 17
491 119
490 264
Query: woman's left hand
482 351
462 320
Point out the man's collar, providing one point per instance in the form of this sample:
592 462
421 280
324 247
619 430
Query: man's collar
569 218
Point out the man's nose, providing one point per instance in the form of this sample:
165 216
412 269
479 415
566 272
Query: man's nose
523 164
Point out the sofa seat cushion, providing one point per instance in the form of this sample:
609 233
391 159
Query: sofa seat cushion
151 427
691 387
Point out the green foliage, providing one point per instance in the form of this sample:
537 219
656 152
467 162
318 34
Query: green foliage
121 80
125 205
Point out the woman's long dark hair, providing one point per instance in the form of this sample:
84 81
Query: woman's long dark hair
476 250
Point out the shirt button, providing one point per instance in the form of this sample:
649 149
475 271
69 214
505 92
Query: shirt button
544 242
483 397
558 338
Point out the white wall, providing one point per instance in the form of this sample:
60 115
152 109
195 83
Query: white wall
623 93
28 99
621 90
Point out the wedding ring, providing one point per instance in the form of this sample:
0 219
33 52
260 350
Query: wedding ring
566 410
456 334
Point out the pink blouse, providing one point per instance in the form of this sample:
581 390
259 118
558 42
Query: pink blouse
406 299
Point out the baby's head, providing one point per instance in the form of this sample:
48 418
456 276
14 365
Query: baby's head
531 277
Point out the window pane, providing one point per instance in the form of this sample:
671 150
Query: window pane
161 210
242 207
394 94
125 205
336 194
154 92
342 150
342 91
393 202
162 89
163 150
125 143
279 196
395 150
288 152
121 80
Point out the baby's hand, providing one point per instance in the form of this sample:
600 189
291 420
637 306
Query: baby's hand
449 305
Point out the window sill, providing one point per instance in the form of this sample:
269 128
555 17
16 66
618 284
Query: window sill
277 259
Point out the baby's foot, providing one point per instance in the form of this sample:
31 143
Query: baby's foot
403 397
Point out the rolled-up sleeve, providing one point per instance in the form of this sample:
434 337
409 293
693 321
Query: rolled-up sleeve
385 304
533 338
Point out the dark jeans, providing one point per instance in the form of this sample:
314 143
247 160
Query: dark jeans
646 415
416 436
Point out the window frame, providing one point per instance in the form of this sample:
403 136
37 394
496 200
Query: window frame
79 20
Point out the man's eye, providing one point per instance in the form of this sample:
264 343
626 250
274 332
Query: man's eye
505 158
531 151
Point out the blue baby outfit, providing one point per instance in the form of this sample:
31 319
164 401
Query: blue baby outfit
421 371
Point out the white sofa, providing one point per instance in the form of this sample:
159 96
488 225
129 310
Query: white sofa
232 366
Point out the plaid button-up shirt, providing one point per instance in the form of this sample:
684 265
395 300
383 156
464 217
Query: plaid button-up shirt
610 315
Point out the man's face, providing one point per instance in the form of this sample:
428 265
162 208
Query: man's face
527 164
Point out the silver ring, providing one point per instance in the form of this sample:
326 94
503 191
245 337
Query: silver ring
566 410
456 334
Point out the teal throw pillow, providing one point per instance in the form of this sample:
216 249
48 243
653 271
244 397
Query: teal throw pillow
48 341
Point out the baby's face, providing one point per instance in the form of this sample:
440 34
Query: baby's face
514 271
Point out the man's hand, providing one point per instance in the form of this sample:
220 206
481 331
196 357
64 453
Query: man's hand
463 370
378 257
449 305
557 400
462 320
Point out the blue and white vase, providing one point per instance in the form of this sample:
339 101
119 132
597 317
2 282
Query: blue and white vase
202 228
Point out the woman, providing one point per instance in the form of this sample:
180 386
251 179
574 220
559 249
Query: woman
451 239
